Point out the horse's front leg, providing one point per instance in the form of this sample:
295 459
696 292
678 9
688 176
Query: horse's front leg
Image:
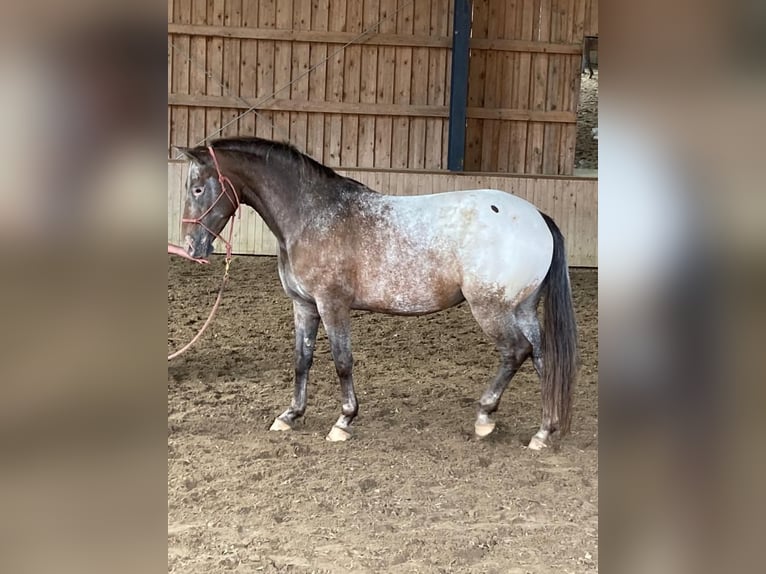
306 325
337 324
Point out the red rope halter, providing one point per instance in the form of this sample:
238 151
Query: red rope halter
223 180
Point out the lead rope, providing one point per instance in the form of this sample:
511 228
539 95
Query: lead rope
223 180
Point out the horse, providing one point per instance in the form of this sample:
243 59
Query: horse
589 44
344 246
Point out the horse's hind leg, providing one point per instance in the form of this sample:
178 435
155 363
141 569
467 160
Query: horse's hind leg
306 325
529 325
513 351
514 348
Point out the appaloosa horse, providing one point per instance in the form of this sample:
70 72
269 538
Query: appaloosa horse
343 246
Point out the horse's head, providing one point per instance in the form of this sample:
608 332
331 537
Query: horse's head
207 207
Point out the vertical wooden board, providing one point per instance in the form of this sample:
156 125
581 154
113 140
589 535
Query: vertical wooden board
317 82
569 130
265 87
523 75
300 92
335 66
536 132
248 68
591 20
492 86
170 80
509 81
445 140
402 88
434 141
477 69
197 77
419 84
437 85
368 87
578 31
300 73
179 115
385 85
351 81
575 252
283 69
215 9
553 93
231 67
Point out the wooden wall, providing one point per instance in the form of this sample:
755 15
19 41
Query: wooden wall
571 202
379 102
531 70
382 101
591 18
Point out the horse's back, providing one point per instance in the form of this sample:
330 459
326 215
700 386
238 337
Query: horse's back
499 240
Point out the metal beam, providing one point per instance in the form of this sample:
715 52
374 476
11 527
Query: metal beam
459 88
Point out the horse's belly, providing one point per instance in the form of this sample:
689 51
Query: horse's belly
408 287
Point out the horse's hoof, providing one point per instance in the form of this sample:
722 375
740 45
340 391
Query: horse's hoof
280 425
484 429
337 434
537 443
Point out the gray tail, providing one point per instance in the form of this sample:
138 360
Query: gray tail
560 355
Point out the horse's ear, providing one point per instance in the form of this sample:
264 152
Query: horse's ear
196 154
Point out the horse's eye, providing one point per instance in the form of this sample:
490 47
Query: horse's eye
197 191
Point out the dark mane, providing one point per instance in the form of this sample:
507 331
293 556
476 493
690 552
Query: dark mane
267 148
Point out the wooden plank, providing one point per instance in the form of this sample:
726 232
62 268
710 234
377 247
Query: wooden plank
508 88
402 89
404 110
283 67
591 18
385 86
476 73
335 67
437 71
197 77
553 95
170 80
579 21
179 117
214 67
368 88
231 66
419 85
536 132
264 123
502 45
314 36
248 78
300 66
317 84
351 79
493 84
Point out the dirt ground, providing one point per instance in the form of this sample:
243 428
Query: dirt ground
413 491
586 148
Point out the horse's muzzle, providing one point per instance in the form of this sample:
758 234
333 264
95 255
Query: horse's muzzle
200 249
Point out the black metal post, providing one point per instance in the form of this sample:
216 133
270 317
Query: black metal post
459 88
